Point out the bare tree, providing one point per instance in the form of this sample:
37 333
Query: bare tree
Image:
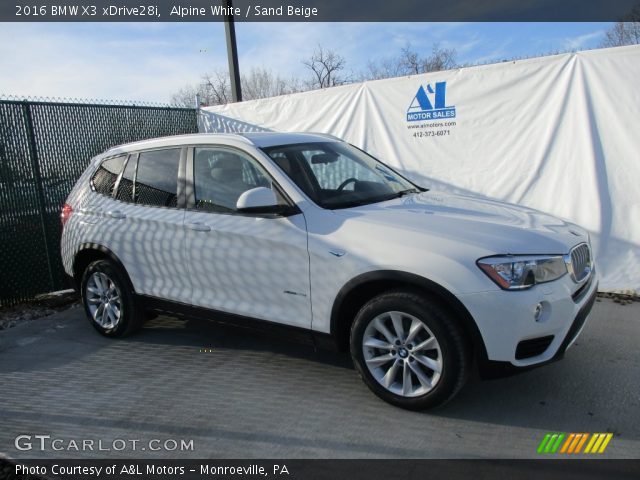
262 83
410 62
185 97
440 59
326 67
626 31
385 68
215 88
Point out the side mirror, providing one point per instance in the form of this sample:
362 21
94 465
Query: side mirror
259 200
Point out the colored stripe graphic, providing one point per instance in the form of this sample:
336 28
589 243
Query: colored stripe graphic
572 443
565 447
543 443
594 437
605 443
581 443
598 442
556 445
551 442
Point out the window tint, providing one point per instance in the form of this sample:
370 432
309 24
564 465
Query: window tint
125 187
221 176
156 180
338 175
104 180
330 174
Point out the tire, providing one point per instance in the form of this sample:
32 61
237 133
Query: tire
108 300
435 342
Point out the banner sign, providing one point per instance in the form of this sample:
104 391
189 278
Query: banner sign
558 134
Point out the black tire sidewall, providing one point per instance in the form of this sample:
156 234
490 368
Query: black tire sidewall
127 311
441 325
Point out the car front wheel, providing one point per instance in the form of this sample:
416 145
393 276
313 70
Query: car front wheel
409 350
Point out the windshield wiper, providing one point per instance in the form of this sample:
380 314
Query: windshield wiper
370 200
406 192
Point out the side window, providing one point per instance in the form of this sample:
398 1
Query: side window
331 170
221 176
104 180
156 181
125 187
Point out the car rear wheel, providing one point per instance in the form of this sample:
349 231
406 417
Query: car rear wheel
108 300
409 350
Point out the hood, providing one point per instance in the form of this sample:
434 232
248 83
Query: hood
494 226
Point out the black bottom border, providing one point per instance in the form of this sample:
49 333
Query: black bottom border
372 469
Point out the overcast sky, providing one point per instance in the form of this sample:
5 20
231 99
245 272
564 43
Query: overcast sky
150 61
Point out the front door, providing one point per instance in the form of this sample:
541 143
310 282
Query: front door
250 265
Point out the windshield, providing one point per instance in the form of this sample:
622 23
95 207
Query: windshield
338 175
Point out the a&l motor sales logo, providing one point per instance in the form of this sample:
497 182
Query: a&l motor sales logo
431 104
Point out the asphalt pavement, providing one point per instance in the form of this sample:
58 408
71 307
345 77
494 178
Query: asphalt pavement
229 394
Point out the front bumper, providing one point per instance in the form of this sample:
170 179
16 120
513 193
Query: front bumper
506 319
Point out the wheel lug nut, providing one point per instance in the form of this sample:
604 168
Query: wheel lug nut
397 342
409 346
393 352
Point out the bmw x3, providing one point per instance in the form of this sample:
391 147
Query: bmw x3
311 236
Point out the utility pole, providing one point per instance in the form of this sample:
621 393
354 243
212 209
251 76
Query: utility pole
232 52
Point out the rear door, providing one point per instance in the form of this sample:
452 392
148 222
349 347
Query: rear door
145 221
251 265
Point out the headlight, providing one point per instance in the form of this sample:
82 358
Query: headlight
518 272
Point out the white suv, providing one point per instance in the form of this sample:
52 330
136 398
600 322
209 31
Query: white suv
307 234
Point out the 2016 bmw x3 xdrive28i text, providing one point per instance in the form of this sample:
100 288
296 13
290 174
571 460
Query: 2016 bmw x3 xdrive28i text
307 232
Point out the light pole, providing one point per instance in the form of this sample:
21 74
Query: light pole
232 52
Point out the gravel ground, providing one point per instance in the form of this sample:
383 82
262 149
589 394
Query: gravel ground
241 396
42 306
620 298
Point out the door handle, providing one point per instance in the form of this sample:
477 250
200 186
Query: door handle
199 227
116 214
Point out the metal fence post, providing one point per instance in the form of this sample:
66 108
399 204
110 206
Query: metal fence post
35 165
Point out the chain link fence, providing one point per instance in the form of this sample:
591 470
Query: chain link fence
44 147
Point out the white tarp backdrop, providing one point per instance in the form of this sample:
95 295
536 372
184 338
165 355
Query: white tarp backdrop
560 134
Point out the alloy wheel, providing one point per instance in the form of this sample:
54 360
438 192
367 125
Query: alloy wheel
402 354
103 300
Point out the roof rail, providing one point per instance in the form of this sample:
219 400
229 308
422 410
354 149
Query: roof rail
184 136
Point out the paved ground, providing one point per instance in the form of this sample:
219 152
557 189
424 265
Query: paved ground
254 397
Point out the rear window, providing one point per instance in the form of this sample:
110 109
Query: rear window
104 180
156 181
125 187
